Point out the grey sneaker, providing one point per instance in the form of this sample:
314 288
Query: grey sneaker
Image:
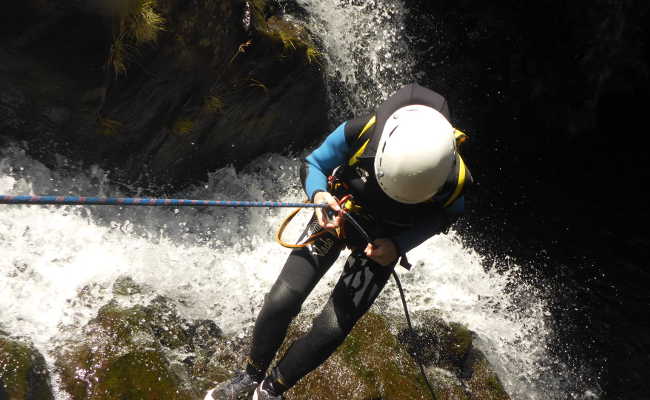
265 391
240 386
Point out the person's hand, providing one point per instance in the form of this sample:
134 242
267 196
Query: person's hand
323 220
382 251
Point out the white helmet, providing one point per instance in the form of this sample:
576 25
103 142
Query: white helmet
416 153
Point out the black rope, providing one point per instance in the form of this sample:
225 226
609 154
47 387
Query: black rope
408 321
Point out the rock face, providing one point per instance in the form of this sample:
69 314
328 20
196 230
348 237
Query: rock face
23 373
166 87
149 351
145 351
122 357
373 363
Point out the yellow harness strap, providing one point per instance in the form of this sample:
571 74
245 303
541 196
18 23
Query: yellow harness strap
462 174
355 158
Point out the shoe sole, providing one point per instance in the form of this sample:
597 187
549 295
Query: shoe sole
245 394
208 395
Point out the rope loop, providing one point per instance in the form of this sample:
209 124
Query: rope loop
340 232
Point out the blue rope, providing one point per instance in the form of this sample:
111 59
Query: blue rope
129 201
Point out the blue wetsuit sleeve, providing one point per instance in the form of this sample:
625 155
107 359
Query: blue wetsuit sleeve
322 161
430 225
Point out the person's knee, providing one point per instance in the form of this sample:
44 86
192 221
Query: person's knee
283 301
330 327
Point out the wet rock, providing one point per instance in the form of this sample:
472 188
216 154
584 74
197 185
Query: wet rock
144 351
373 363
13 104
133 351
480 378
57 115
192 87
455 366
122 355
23 372
126 286
370 364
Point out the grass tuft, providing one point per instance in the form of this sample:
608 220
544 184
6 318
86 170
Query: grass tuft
183 127
144 23
138 24
313 55
256 83
212 105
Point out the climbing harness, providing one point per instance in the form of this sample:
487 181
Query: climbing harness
345 205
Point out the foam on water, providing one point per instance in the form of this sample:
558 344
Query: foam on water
59 265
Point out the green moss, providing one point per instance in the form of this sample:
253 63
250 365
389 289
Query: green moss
122 353
121 324
126 286
460 342
23 373
212 104
378 367
291 39
484 384
183 126
138 375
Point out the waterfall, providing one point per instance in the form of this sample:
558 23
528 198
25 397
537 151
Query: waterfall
364 46
217 263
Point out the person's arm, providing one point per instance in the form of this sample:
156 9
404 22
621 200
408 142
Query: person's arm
386 250
428 226
318 165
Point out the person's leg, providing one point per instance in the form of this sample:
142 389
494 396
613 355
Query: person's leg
360 284
302 270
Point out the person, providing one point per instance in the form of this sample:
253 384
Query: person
407 181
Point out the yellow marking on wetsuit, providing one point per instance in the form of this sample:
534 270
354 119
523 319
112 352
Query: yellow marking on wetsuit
368 125
355 158
462 174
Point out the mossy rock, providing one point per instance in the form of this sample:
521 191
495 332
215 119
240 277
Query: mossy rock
126 286
370 364
482 381
207 84
123 354
438 343
457 369
373 363
23 372
218 362
291 37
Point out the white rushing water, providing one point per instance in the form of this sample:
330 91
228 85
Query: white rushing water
218 263
364 45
